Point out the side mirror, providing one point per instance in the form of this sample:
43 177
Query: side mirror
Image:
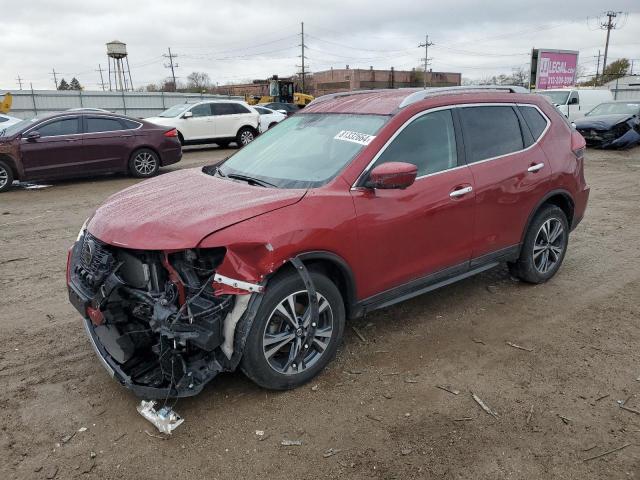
392 175
33 135
187 115
573 101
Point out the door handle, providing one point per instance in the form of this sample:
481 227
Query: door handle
536 167
461 191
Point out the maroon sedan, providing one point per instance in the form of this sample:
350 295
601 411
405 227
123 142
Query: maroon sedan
80 143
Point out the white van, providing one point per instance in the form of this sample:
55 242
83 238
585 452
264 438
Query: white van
576 102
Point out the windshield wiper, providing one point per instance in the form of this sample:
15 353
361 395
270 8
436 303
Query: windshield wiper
249 179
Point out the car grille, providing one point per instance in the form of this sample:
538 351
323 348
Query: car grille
94 261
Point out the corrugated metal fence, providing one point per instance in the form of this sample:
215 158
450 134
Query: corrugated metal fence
27 103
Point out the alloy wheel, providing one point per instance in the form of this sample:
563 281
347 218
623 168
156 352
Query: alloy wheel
4 177
246 137
291 343
549 245
144 163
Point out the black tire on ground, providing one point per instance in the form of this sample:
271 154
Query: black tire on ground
274 328
181 138
245 136
544 247
144 163
272 124
6 177
223 143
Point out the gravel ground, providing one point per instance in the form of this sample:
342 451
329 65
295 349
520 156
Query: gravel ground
377 409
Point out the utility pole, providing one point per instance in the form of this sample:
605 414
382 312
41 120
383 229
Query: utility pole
303 71
19 80
598 67
55 77
102 84
172 66
608 26
426 58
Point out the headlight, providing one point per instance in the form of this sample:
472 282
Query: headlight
83 228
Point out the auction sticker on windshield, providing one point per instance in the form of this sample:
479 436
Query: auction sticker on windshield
355 137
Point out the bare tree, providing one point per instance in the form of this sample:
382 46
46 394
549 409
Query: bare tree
198 81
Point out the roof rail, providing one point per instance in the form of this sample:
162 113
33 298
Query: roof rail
331 96
432 92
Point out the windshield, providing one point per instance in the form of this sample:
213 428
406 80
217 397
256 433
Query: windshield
614 108
559 97
16 127
175 110
306 150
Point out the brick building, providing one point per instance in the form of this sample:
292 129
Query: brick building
346 79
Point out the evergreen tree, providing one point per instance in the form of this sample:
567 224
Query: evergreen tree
63 85
75 84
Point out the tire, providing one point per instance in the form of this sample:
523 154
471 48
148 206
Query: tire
544 247
223 143
277 372
245 136
6 177
271 125
144 163
181 138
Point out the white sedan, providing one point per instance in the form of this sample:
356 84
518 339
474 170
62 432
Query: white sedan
7 121
268 117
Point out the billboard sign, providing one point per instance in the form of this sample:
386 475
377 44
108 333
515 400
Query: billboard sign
553 68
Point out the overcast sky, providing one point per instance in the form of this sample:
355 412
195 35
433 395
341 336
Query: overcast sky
235 40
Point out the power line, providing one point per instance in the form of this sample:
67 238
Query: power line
426 46
19 80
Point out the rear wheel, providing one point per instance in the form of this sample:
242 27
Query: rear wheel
144 163
6 177
271 125
245 136
283 350
223 143
544 247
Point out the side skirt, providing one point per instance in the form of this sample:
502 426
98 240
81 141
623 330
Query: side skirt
436 280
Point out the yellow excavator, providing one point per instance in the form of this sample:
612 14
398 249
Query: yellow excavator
280 91
5 105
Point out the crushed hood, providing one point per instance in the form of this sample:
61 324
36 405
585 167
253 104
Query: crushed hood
177 210
602 122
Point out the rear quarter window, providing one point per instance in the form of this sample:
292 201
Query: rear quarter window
534 119
490 131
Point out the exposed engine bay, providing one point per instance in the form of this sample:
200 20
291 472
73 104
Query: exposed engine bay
162 322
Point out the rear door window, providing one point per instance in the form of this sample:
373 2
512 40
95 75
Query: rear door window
102 124
429 143
237 108
65 126
534 119
490 131
223 108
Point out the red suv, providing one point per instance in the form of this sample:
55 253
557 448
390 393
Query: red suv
359 201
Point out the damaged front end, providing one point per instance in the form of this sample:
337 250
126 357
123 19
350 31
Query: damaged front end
600 134
163 323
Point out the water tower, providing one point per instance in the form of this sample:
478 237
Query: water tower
119 66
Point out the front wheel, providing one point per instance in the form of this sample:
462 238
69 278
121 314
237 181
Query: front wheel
144 163
283 350
245 136
544 247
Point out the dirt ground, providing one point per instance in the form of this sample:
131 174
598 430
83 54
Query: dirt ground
377 406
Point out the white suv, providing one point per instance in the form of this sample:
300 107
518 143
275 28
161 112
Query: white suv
212 121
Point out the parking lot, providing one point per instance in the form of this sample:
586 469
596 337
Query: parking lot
551 360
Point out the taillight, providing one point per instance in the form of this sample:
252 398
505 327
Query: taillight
171 133
578 144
